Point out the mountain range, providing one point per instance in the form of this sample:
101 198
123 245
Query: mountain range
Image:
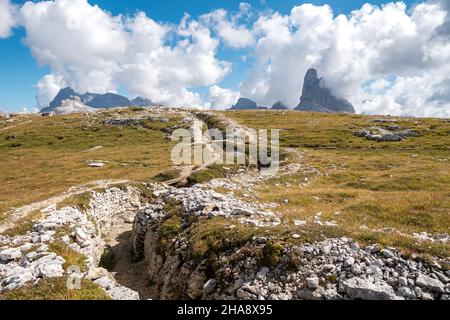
67 98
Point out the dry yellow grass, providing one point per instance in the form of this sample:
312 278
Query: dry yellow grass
48 155
404 186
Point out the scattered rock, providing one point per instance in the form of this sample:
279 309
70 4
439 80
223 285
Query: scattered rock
96 164
432 284
312 283
299 222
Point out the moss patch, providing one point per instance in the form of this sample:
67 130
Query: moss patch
80 201
71 257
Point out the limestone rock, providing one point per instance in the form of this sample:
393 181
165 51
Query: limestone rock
429 283
10 254
360 288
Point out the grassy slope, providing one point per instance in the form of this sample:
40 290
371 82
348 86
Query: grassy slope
48 155
402 185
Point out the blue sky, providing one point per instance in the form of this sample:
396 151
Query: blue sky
20 71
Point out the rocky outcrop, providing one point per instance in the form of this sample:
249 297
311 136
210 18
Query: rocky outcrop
265 267
386 134
279 106
244 104
94 100
317 97
29 257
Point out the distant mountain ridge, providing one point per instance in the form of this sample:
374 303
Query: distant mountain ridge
95 100
279 106
247 104
244 104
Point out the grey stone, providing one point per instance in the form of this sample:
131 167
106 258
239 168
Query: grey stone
429 283
262 273
312 282
105 283
359 288
332 294
49 270
209 286
10 254
402 281
245 295
349 262
123 293
427 296
406 292
356 269
308 294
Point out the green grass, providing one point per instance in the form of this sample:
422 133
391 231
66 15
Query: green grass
56 289
53 153
71 257
80 201
214 171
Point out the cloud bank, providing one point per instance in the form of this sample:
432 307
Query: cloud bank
90 50
385 60
356 53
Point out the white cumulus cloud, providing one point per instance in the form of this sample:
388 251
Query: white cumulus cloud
220 98
89 49
7 18
231 28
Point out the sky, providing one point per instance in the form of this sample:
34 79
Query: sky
384 57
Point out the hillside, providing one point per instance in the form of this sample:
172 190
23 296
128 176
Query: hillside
91 186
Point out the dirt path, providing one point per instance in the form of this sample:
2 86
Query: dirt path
126 271
16 125
207 143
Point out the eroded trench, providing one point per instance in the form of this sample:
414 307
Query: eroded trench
136 258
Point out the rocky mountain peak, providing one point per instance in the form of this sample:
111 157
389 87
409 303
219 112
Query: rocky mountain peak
311 77
316 96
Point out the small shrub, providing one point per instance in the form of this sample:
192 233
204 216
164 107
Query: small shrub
108 259
270 254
